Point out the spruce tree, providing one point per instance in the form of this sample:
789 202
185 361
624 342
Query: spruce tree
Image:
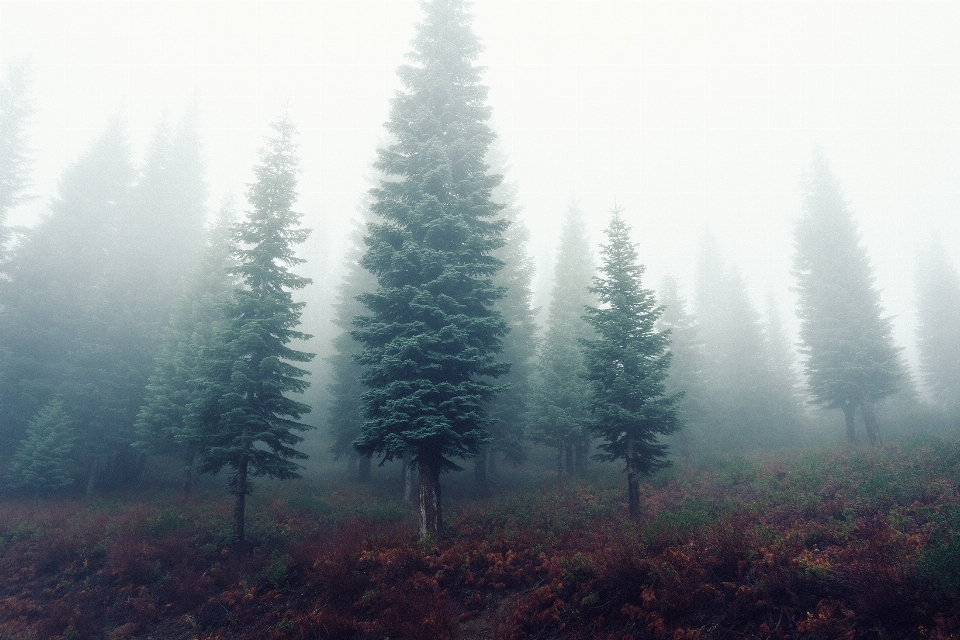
627 365
161 424
560 413
43 459
686 367
431 335
16 109
850 358
510 409
938 329
243 417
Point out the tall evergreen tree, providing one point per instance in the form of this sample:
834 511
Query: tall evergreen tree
243 417
746 404
627 365
509 409
851 361
686 367
16 109
161 424
938 329
560 414
432 335
345 413
64 320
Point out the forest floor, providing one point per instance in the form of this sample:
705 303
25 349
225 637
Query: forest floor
852 543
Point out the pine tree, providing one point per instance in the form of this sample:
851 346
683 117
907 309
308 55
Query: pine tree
161 424
560 413
16 109
938 331
850 358
345 413
42 462
627 365
243 417
745 402
432 334
686 367
63 330
509 409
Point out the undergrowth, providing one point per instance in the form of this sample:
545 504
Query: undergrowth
860 543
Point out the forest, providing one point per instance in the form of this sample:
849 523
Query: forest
187 451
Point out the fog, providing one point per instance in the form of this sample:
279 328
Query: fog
690 115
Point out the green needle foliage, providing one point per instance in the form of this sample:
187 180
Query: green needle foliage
243 417
432 335
627 365
42 462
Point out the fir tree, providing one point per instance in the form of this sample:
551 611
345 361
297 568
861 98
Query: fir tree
243 417
627 365
432 334
16 109
161 424
560 413
938 329
42 462
510 409
850 359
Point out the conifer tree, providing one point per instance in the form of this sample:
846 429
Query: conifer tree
161 424
627 365
345 413
850 358
938 329
560 413
42 462
510 409
686 367
432 334
243 417
16 109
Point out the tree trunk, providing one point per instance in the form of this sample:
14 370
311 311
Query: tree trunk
492 470
240 503
633 486
480 474
870 420
559 462
363 468
582 451
188 474
849 411
408 480
431 523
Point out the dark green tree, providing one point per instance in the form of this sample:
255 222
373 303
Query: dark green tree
244 417
43 459
16 109
560 413
850 358
432 333
161 424
938 329
627 365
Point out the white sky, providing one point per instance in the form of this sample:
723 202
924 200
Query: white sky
685 113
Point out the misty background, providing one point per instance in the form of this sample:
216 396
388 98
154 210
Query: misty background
692 116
